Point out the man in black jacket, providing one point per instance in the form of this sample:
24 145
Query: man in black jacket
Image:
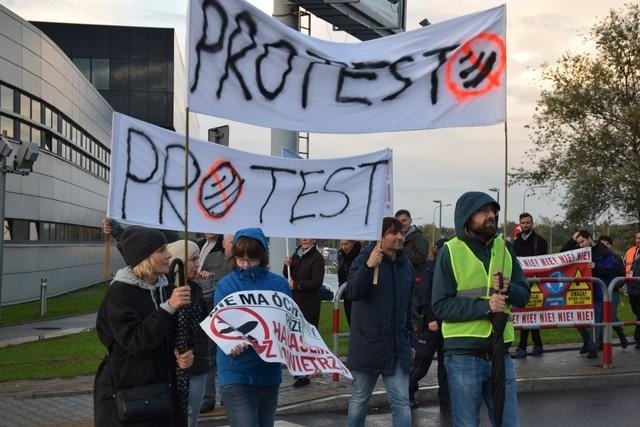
379 285
529 243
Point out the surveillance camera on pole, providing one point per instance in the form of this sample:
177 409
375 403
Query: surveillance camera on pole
26 156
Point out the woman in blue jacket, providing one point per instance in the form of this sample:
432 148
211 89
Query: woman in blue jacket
249 385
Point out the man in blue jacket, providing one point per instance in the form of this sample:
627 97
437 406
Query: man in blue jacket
381 325
466 291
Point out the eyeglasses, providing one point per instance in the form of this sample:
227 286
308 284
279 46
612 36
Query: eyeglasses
251 262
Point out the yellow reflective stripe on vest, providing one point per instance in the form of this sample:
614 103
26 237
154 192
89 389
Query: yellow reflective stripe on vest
473 282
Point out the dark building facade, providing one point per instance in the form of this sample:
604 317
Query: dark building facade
132 68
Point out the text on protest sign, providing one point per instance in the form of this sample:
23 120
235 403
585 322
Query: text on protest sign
557 303
272 323
228 189
244 65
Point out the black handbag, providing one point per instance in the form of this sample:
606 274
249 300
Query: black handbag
144 402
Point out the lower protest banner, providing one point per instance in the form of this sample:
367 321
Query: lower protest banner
557 303
273 325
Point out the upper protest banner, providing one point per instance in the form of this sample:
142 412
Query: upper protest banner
272 323
246 66
557 303
343 198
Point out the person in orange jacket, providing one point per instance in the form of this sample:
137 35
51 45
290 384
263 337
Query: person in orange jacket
632 269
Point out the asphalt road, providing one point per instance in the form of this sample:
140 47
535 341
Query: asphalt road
567 408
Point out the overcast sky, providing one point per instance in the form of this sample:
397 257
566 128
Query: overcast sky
431 164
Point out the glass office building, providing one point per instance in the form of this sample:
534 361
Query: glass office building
132 68
59 86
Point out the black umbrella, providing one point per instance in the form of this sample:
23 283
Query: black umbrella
498 322
184 340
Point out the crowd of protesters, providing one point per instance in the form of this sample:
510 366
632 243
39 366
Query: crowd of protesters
394 307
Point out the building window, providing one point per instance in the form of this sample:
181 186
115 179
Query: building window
6 124
36 112
100 73
36 136
25 132
25 106
6 98
33 230
84 65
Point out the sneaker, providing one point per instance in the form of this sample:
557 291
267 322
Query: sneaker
537 351
592 354
519 354
301 382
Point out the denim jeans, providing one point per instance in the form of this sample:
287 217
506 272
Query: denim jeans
397 387
250 405
470 384
196 392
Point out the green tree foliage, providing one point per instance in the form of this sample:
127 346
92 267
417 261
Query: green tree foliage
586 128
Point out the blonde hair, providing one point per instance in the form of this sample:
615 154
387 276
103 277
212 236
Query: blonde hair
143 269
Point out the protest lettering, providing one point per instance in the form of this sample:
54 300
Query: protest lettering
230 189
244 65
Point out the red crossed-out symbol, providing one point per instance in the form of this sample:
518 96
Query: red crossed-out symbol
219 190
250 327
470 74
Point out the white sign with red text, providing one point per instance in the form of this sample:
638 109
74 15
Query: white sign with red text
553 317
554 303
272 323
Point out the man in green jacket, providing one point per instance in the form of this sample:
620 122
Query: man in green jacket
466 291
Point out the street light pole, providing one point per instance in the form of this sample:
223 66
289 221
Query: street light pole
497 191
433 234
440 206
439 202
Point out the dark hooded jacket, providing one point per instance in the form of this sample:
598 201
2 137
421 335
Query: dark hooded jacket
381 325
135 324
416 247
446 304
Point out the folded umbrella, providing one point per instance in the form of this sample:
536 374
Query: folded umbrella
498 323
184 340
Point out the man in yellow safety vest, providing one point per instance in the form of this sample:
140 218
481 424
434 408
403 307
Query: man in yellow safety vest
466 291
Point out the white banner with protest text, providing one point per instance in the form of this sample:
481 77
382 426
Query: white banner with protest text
246 66
344 198
272 323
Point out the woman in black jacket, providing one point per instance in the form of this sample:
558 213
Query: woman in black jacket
135 324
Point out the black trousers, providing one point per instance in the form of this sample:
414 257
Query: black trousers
634 300
428 343
524 338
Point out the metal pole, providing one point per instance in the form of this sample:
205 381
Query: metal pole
440 221
43 296
288 14
433 234
3 182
